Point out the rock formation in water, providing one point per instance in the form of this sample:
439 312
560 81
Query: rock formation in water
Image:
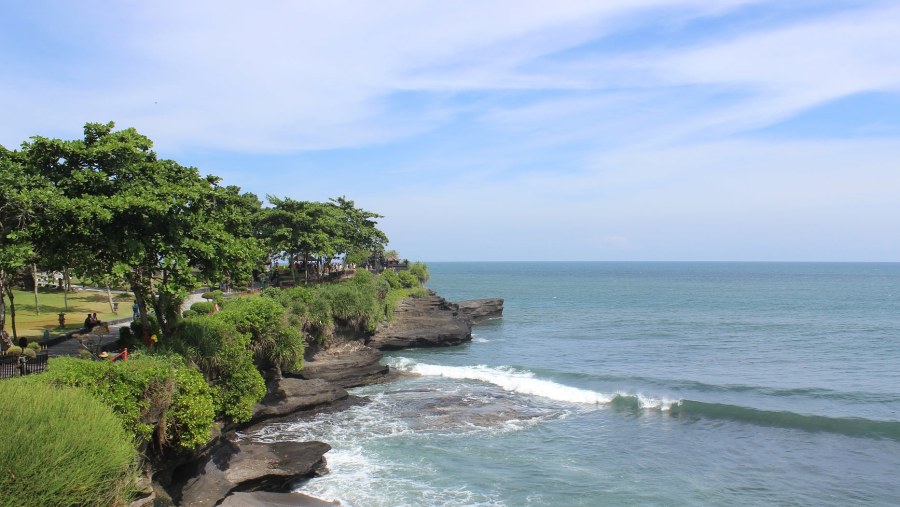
289 395
348 365
423 322
231 466
241 466
476 311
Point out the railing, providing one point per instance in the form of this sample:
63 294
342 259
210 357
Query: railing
14 366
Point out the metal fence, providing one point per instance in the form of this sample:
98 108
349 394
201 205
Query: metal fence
13 366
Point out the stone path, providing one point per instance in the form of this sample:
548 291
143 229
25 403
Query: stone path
71 346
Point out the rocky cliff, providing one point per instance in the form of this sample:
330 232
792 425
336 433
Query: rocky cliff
351 359
476 311
423 322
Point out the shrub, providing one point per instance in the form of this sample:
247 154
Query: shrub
34 346
128 340
15 350
62 447
420 271
382 287
192 412
203 307
287 351
392 278
260 317
222 353
137 328
146 393
214 296
408 280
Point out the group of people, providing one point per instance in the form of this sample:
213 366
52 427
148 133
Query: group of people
92 321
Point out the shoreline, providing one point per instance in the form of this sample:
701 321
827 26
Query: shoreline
262 473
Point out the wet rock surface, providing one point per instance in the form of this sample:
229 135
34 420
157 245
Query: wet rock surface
476 311
348 365
289 395
241 466
268 499
423 322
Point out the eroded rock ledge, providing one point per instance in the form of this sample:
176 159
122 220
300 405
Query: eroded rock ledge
289 395
423 322
476 311
347 365
234 468
246 466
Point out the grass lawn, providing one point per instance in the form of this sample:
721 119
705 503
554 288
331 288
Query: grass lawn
81 303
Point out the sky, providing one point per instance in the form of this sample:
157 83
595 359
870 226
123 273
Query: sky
661 130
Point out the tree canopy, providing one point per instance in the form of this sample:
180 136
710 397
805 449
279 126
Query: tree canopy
106 207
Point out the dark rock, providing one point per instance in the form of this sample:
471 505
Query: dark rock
241 466
423 322
289 395
480 310
349 365
268 499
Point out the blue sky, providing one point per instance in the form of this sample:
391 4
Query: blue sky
494 130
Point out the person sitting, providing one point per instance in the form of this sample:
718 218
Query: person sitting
89 322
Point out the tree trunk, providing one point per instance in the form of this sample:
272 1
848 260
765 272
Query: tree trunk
3 335
134 280
37 307
112 307
293 260
2 300
67 285
12 312
306 266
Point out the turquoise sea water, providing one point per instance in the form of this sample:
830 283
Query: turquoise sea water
637 384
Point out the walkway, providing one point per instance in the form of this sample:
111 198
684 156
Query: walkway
71 346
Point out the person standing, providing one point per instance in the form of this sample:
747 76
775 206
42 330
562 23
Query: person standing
135 311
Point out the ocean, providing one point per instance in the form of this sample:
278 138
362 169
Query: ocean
636 383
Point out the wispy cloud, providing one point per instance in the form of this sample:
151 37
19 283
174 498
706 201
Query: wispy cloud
570 129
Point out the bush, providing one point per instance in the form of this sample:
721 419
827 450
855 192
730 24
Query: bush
203 307
147 393
420 271
137 328
62 447
128 340
214 296
382 287
222 353
392 278
408 280
15 350
260 317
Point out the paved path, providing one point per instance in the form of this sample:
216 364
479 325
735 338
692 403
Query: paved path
72 347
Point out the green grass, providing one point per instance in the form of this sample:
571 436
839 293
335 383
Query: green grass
62 447
81 302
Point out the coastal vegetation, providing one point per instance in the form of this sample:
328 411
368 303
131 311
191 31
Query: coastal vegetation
62 447
105 208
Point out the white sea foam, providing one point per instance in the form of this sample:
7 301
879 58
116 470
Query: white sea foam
509 379
525 382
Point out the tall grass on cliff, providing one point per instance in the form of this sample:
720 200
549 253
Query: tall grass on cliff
158 399
62 447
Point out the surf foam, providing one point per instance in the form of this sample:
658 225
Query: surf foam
524 382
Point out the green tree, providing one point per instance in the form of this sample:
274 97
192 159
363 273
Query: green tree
358 230
23 197
125 213
300 231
